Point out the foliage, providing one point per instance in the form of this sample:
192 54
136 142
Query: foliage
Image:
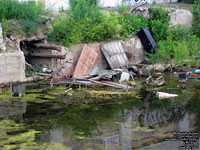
28 13
85 23
132 24
159 24
166 50
194 48
181 52
159 30
4 25
160 14
178 33
196 19
82 8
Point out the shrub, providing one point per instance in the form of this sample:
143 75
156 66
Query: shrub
82 8
4 25
27 12
132 24
196 19
181 52
178 33
68 31
159 30
160 14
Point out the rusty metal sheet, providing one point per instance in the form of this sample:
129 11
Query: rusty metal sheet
115 54
86 62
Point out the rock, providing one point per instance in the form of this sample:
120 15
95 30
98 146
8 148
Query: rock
182 17
12 67
134 50
178 16
142 11
2 44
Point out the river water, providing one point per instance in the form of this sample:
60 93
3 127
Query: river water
49 118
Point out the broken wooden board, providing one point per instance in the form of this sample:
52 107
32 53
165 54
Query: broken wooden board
85 62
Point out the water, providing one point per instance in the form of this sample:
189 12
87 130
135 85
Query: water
49 118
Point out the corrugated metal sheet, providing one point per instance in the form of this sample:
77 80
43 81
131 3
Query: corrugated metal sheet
85 62
115 54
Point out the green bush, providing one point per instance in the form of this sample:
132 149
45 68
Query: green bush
4 25
160 14
132 24
28 13
178 33
68 31
159 30
196 19
181 52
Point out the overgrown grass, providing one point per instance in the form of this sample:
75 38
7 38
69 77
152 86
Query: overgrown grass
84 23
27 13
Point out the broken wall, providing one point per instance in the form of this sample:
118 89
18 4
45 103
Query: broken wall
12 67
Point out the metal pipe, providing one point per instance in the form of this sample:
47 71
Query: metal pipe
57 48
48 56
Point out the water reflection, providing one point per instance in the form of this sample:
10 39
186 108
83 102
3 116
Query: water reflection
117 125
13 110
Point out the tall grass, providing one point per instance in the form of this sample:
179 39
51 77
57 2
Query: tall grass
28 11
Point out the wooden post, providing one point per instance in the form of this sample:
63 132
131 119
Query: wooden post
170 63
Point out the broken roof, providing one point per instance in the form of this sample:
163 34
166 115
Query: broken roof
115 54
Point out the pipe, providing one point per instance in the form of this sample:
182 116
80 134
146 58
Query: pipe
48 56
57 48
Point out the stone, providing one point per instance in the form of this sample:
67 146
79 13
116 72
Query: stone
134 50
12 67
2 44
142 11
182 17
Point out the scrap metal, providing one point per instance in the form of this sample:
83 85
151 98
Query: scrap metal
115 54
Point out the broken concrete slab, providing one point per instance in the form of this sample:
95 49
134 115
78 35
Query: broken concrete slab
12 67
115 54
86 62
63 67
134 50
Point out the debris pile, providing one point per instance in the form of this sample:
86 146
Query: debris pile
120 71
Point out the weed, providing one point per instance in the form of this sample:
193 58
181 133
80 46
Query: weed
196 19
4 25
159 30
28 13
132 24
84 23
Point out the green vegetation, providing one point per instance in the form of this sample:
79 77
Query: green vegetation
196 19
27 13
174 42
132 24
84 23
